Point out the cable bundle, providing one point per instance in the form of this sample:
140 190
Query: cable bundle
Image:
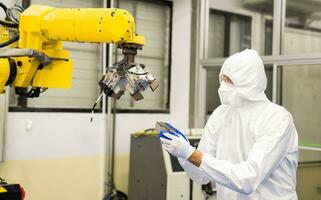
11 21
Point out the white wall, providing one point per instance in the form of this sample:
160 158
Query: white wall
54 135
47 135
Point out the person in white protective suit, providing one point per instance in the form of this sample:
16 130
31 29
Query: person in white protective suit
250 145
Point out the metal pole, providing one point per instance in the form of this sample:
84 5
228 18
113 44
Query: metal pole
113 121
111 126
105 126
200 102
107 116
276 41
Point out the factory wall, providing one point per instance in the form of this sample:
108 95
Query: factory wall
59 155
54 155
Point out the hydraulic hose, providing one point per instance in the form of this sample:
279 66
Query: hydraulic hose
10 41
4 7
9 24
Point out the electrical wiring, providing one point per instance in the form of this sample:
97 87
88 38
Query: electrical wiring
4 22
4 7
12 14
10 41
9 24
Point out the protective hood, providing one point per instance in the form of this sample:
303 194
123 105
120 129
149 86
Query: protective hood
246 70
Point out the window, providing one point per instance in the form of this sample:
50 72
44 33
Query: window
228 33
86 71
153 21
302 32
268 37
212 85
301 86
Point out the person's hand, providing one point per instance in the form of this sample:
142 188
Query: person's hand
176 143
175 130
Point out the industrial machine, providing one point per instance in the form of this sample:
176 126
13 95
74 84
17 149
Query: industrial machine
32 57
156 175
11 191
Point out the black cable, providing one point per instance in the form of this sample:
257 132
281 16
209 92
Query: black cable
117 195
4 7
94 106
11 13
9 24
10 41
14 21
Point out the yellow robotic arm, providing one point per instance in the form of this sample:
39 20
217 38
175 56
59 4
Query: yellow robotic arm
39 60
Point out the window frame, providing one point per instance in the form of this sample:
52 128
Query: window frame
227 26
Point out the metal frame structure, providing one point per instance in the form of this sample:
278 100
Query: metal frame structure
277 59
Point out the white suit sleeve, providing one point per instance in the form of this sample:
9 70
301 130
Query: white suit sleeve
269 149
207 145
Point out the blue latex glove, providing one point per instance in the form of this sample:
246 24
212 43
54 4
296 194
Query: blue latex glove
176 132
176 143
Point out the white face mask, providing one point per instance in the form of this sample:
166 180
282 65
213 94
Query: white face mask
227 94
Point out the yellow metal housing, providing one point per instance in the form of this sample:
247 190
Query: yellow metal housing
26 69
4 73
89 25
43 28
54 75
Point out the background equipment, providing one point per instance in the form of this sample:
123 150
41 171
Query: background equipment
155 174
11 191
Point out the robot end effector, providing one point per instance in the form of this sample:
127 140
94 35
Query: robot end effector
37 57
127 75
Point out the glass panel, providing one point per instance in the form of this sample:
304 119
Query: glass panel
302 32
217 36
269 77
240 34
212 85
268 37
301 86
244 24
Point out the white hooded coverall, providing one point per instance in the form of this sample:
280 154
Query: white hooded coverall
250 145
